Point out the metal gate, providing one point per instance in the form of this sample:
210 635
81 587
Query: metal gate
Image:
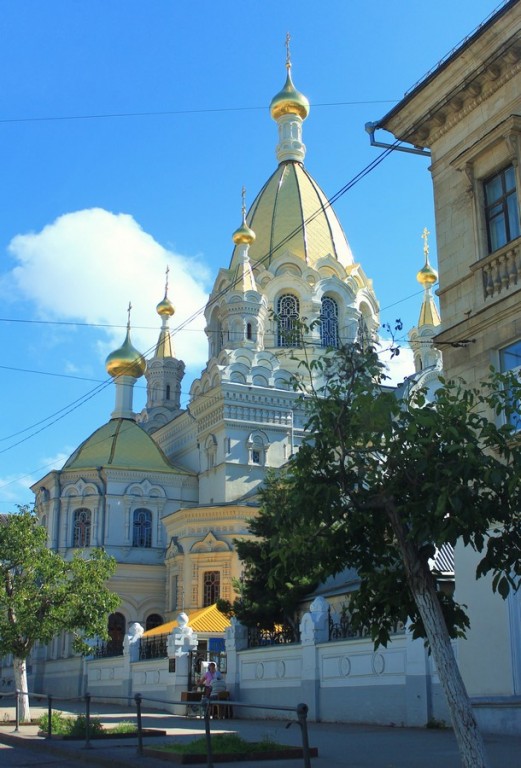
196 660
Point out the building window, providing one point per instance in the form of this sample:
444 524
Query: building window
501 210
81 528
211 587
142 528
153 620
168 391
510 360
249 333
288 328
363 337
329 323
257 445
211 451
116 631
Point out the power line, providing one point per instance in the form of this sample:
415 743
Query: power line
169 112
66 410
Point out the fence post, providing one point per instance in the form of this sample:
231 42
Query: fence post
137 699
49 716
209 754
302 713
87 722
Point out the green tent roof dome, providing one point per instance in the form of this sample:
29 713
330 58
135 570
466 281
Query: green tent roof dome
120 444
292 212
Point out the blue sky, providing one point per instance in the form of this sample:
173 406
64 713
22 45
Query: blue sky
127 129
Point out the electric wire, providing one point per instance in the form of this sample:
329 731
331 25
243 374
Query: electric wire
169 112
49 421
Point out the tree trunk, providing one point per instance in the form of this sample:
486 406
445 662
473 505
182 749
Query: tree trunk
422 586
20 681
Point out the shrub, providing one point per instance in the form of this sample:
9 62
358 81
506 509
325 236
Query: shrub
78 727
62 725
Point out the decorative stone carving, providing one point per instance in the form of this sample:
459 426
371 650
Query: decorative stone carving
182 639
314 626
131 641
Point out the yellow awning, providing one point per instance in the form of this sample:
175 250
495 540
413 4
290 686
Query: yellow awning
207 619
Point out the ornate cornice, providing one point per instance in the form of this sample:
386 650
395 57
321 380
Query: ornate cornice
470 93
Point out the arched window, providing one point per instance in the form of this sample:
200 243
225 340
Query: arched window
257 444
167 392
215 334
329 323
363 336
116 630
249 333
153 620
211 587
142 528
211 451
288 313
81 528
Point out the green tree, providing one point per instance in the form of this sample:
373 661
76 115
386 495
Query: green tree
267 599
381 482
41 594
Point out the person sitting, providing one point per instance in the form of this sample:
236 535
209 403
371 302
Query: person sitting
211 675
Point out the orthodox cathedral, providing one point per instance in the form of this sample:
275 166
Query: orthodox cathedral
166 491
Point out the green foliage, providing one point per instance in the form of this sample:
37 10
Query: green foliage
78 727
42 594
74 727
222 743
434 724
381 482
124 727
269 591
58 722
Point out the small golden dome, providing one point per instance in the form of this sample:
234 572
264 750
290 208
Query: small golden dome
243 235
427 275
165 307
289 101
126 361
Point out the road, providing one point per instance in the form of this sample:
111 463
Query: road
20 757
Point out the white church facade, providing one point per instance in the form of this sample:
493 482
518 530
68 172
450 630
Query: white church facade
166 491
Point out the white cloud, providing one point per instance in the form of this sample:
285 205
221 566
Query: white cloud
399 366
86 266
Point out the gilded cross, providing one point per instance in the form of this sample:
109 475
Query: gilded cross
243 192
425 234
288 55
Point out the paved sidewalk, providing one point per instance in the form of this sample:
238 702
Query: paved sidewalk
339 745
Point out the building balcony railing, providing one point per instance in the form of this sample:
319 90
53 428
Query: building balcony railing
501 271
107 649
280 635
153 648
341 627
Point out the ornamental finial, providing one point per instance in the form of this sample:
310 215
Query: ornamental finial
288 54
425 234
243 193
166 280
128 315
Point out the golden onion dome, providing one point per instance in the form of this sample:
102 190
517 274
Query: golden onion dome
427 275
243 235
126 361
289 101
165 307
